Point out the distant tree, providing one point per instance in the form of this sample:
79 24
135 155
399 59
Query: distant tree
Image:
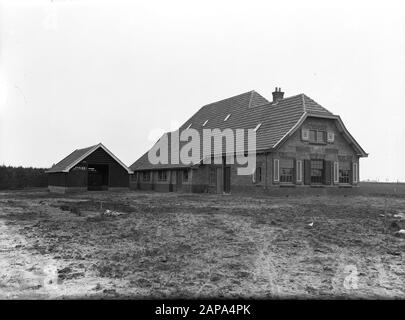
19 177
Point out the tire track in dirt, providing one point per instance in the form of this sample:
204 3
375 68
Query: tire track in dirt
265 262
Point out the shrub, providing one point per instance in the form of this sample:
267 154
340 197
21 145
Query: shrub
19 177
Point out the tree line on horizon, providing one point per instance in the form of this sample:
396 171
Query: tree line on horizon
21 177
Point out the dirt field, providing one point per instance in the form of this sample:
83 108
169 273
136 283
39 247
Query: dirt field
194 246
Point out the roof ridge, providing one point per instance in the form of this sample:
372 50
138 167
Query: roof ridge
281 100
241 94
88 147
303 102
312 100
251 98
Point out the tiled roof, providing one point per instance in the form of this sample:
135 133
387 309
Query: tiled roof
246 111
71 158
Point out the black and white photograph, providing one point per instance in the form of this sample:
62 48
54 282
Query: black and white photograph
182 150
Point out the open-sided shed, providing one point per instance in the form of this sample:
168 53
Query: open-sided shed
92 168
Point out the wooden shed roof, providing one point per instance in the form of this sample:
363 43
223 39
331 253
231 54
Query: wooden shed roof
78 155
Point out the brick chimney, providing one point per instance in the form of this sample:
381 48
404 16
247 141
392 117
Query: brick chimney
277 95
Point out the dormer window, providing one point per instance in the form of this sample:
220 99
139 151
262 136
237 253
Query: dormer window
227 117
205 123
257 127
317 136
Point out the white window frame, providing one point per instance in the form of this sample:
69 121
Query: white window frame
276 169
330 137
299 171
336 172
305 134
355 172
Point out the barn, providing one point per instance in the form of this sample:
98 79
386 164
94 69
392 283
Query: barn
300 145
87 169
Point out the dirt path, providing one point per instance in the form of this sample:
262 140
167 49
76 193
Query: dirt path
26 274
23 274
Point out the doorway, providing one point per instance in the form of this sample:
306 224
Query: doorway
98 175
179 180
227 179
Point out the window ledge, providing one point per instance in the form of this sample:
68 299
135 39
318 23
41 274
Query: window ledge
318 143
345 185
317 185
287 185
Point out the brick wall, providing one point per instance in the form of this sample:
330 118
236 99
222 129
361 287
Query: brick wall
294 148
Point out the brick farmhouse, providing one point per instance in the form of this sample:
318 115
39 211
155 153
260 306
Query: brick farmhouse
300 145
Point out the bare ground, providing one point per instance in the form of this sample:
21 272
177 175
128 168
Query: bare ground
196 246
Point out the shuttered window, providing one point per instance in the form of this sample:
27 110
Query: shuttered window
336 172
320 136
299 170
305 134
355 173
317 136
344 172
146 176
331 137
312 135
317 171
162 175
286 170
185 175
276 172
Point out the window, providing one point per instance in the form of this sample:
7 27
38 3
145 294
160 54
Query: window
316 171
312 135
257 127
227 117
276 172
355 173
146 176
162 175
258 174
286 170
213 176
299 170
336 172
344 172
185 175
317 136
134 176
320 136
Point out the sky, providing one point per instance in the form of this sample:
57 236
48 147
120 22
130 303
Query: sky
76 73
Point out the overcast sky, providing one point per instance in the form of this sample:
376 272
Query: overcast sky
75 73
